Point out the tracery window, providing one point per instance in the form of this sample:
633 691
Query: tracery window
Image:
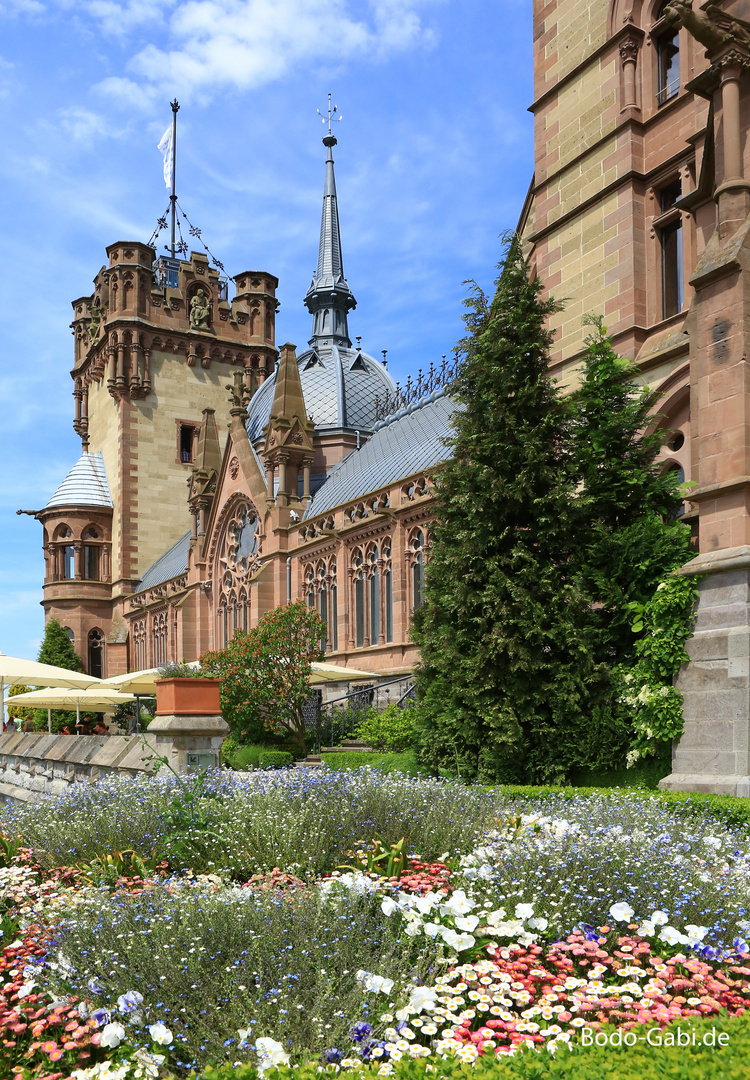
238 561
320 588
358 580
91 553
140 659
96 653
416 555
159 631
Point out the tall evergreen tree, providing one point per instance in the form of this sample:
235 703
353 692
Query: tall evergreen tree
57 648
505 680
630 537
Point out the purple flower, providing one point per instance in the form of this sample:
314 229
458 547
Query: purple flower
102 1016
128 1003
360 1031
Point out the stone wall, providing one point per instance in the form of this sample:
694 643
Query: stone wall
35 765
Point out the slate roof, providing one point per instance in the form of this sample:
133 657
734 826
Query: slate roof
85 485
339 385
171 564
409 442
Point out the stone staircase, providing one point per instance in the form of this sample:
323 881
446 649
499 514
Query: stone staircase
313 761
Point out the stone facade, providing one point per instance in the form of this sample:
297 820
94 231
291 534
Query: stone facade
639 211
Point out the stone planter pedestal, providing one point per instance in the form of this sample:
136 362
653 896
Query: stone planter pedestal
188 742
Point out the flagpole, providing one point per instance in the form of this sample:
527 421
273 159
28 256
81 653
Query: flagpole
173 196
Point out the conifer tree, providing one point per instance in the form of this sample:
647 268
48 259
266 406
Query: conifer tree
57 648
505 681
629 535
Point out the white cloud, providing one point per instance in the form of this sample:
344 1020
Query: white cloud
84 125
118 19
21 7
248 43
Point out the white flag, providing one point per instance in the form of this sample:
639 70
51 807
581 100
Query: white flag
167 150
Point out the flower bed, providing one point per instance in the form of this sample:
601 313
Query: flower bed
502 930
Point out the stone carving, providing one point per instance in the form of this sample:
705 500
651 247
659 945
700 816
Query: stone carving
710 26
200 311
629 50
234 468
95 326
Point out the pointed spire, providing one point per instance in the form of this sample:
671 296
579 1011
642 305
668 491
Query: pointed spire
208 456
329 297
289 431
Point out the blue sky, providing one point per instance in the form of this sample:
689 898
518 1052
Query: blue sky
434 159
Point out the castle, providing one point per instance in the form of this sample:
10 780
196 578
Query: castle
170 532
639 209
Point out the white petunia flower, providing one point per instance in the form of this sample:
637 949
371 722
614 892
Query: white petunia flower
112 1035
160 1033
270 1052
524 911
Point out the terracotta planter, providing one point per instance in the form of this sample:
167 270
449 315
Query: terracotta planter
187 697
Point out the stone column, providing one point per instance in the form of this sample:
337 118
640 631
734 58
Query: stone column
629 58
306 469
283 498
733 194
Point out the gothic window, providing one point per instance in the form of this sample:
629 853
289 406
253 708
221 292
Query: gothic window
374 575
333 633
96 653
139 645
387 592
416 551
667 60
238 561
71 635
186 442
159 637
323 602
359 598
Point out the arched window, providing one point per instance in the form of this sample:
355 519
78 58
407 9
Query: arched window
359 599
323 603
667 60
374 574
96 653
387 592
244 610
71 635
333 632
417 569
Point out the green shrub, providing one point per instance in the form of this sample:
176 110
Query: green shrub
392 729
274 759
405 762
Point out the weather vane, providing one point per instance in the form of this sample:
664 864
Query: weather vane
331 115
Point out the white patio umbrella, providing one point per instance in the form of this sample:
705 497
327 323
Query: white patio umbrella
15 671
140 683
72 699
325 673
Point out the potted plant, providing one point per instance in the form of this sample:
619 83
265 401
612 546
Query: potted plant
185 690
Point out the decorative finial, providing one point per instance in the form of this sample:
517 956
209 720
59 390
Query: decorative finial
385 362
331 116
359 343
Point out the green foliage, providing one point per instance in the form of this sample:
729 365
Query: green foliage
628 535
274 759
57 649
264 674
725 1060
666 623
392 729
19 713
506 681
122 714
376 857
240 755
406 762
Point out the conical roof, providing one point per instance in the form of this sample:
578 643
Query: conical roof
85 485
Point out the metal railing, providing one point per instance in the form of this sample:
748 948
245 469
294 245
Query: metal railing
330 723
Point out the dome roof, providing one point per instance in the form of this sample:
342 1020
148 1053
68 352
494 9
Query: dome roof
85 485
340 385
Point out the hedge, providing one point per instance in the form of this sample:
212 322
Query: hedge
274 759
